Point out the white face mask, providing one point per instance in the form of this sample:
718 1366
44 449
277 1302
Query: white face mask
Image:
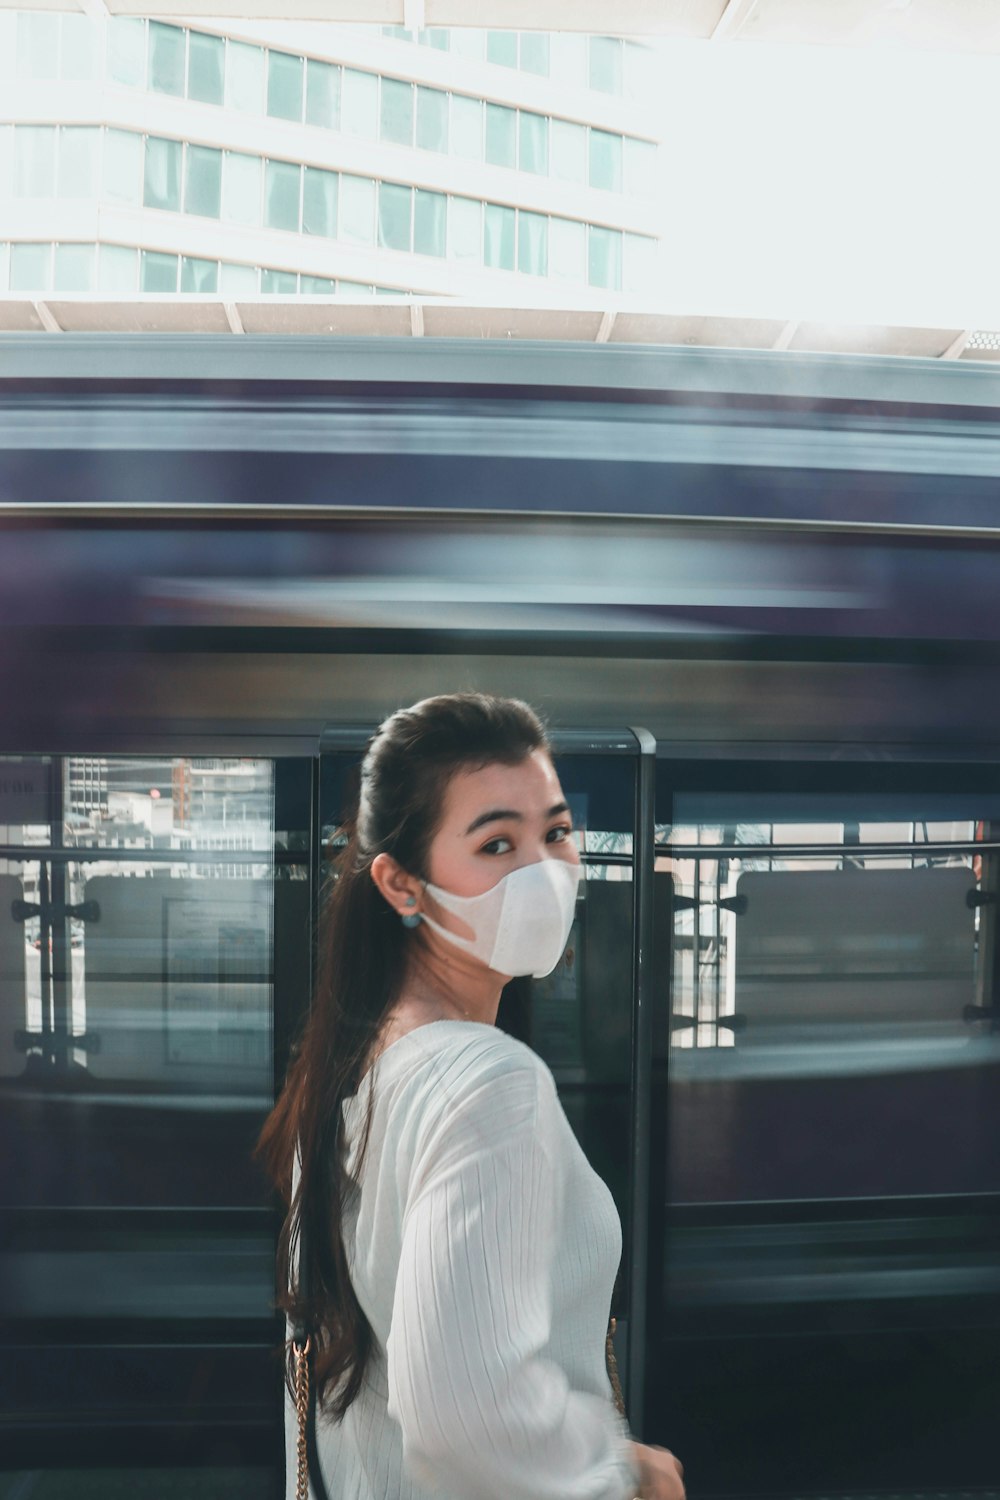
522 923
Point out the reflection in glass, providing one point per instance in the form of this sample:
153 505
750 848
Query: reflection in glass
429 221
206 65
162 180
203 182
127 51
284 86
199 275
166 58
281 195
322 94
319 202
158 272
432 119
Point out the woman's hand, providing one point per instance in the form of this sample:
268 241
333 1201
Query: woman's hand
662 1475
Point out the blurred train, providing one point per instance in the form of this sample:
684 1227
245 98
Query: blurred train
756 596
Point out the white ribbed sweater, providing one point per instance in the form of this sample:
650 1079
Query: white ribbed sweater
483 1249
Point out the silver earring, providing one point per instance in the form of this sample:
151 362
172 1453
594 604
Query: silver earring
412 919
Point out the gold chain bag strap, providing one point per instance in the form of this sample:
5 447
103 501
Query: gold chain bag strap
306 1454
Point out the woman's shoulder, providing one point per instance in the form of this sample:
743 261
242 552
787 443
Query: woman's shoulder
478 1071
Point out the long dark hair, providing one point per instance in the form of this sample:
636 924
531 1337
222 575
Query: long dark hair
362 964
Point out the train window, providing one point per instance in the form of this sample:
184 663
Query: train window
151 912
834 963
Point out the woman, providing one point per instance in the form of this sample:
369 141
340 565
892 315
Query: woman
462 1270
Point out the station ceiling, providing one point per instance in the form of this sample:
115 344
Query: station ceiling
402 317
946 25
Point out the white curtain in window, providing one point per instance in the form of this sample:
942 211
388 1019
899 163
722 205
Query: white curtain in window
465 234
241 188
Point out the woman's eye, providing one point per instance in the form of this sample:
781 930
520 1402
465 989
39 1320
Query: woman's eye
491 848
564 829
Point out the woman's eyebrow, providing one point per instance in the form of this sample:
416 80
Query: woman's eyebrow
507 814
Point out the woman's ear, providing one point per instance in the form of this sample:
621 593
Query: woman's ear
400 890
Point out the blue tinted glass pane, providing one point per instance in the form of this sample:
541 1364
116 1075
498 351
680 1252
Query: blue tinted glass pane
429 223
127 51
605 161
281 195
606 64
322 94
437 36
30 268
159 272
396 121
432 120
319 202
501 135
278 281
166 58
206 68
534 143
199 275
284 86
394 216
501 47
535 52
499 249
605 258
532 243
203 186
245 77
162 182
317 286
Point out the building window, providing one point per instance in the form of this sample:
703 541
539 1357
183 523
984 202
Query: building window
568 251
501 47
568 59
435 36
394 212
37 45
241 189
206 69
465 230
245 78
117 269
639 171
162 187
30 268
534 142
123 167
158 272
501 135
284 86
319 203
432 119
605 161
532 243
203 183
199 275
276 283
639 269
357 209
74 268
499 243
360 111
605 258
281 195
78 161
237 281
606 64
466 127
34 161
470 42
322 94
429 221
78 54
535 52
166 58
396 122
569 151
317 286
127 51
